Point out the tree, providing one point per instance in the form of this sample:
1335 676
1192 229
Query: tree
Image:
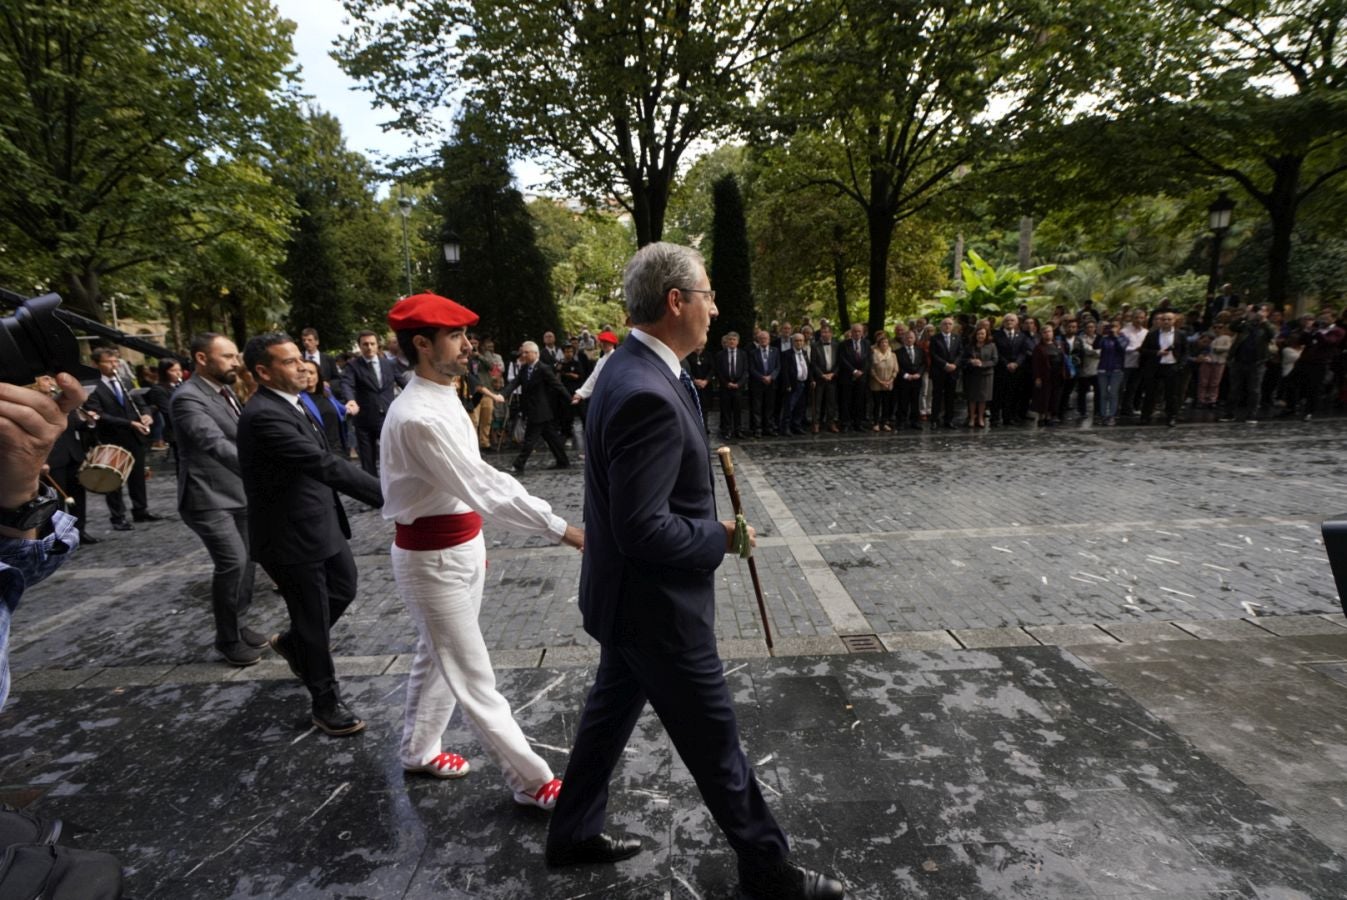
587 251
731 267
503 275
129 133
612 93
916 94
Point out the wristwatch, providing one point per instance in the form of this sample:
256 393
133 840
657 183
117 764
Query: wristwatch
33 514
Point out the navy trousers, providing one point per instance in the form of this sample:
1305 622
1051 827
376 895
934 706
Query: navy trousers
688 692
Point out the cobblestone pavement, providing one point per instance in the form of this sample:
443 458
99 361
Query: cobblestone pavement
1116 667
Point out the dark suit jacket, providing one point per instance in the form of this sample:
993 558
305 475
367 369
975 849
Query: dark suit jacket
357 383
550 355
851 362
940 356
789 371
114 419
699 365
73 444
209 476
652 540
820 365
327 367
539 393
740 377
916 366
756 368
291 481
1010 350
1150 350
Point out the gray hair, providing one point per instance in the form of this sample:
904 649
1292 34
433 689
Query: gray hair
655 270
529 346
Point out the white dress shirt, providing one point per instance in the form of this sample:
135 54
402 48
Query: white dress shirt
430 465
661 350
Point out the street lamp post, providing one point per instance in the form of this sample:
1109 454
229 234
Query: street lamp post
405 210
1218 219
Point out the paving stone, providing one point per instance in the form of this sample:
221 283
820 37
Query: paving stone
1145 632
808 646
125 676
919 640
269 669
1069 635
1223 629
362 665
980 638
53 679
1297 625
739 648
511 659
570 656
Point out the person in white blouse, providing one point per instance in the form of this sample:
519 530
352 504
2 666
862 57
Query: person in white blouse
437 490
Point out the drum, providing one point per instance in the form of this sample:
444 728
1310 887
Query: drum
106 468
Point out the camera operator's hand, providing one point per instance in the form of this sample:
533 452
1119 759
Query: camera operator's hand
30 423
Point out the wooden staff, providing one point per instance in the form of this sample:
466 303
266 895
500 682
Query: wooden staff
727 466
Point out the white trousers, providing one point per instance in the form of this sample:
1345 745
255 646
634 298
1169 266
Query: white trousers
443 593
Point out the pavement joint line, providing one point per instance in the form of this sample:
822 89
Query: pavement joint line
78 677
838 605
76 613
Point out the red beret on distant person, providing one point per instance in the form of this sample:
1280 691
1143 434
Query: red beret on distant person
430 311
607 337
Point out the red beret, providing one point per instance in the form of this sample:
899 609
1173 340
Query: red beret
608 337
430 311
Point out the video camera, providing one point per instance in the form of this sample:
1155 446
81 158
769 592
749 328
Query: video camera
37 340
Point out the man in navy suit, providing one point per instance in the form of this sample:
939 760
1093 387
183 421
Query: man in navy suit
297 528
764 368
647 588
367 387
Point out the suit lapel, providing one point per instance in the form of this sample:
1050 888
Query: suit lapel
677 385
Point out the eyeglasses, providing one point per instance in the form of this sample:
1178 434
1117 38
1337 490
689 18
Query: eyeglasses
710 294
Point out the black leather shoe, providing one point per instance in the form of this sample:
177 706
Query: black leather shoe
275 643
787 881
601 848
518 468
255 639
123 526
240 654
146 517
337 720
88 540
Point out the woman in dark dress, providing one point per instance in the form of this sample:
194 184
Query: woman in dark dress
326 408
979 365
1049 367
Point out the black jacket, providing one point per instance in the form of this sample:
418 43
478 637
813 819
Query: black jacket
358 384
538 392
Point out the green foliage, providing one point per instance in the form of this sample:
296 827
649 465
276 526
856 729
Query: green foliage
129 135
731 264
691 204
987 290
342 262
503 275
612 93
587 252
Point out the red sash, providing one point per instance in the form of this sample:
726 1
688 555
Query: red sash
439 532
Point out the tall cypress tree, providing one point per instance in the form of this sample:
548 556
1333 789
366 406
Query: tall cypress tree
502 274
731 275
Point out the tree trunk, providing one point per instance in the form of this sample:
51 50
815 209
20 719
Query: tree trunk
881 238
1281 207
1026 241
83 293
956 272
238 318
840 281
640 213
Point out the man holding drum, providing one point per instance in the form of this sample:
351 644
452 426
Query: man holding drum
122 424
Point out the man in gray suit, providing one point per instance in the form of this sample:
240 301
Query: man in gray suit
205 414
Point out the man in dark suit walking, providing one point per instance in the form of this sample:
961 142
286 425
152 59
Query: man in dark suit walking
297 527
367 387
123 423
211 500
647 589
946 351
540 394
732 375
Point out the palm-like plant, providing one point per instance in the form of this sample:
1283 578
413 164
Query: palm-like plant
987 290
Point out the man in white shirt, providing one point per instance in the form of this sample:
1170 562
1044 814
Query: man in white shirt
437 489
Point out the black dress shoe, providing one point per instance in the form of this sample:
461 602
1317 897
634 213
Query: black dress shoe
337 720
88 540
146 517
601 848
240 654
123 526
787 881
255 639
276 644
518 468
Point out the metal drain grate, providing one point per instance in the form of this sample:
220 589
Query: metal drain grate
862 643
